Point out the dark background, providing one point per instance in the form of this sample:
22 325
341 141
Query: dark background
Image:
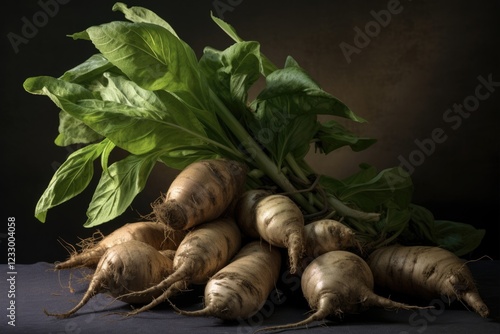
427 58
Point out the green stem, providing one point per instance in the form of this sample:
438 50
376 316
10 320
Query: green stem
207 140
344 210
256 154
299 173
294 166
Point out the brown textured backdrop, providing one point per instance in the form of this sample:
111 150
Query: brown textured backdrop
417 65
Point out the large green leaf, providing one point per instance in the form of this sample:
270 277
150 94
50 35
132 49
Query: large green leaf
286 112
130 125
71 130
152 57
118 187
121 90
293 83
136 130
70 179
141 14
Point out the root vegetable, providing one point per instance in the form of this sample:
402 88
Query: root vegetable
206 249
245 211
279 221
328 235
427 272
240 289
201 192
128 266
154 234
339 282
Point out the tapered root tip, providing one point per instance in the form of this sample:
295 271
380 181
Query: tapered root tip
86 259
72 264
326 307
318 316
155 302
170 213
58 315
205 312
474 300
379 301
296 250
61 266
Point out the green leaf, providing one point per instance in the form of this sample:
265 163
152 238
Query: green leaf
131 126
141 14
365 174
232 72
282 128
89 70
332 135
152 57
105 156
391 184
70 179
136 119
286 112
395 220
136 130
458 238
267 66
423 224
181 157
296 85
118 187
83 35
73 131
331 184
57 87
227 28
121 90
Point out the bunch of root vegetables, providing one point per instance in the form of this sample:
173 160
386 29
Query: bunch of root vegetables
209 230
